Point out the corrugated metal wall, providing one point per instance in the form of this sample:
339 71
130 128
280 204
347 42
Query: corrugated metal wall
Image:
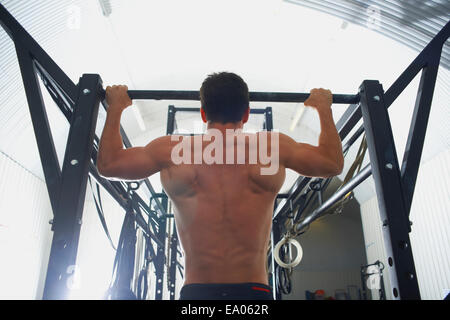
430 238
373 238
411 22
25 235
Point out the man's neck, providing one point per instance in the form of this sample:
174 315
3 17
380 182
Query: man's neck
224 126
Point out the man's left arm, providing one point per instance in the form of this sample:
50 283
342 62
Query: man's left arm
113 161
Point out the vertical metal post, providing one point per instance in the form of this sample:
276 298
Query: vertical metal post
160 259
363 282
173 243
276 237
386 173
268 120
67 221
170 120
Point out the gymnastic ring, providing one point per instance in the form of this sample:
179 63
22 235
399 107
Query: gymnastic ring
133 185
297 259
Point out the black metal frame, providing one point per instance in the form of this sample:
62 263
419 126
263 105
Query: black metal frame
79 103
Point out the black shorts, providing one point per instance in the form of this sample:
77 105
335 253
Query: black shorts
226 291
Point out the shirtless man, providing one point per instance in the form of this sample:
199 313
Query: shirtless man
223 212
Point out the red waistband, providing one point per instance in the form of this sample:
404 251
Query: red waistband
261 289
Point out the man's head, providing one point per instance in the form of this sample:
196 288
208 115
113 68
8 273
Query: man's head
224 98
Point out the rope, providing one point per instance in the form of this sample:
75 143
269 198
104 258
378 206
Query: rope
355 167
338 206
120 245
143 274
101 215
129 221
284 277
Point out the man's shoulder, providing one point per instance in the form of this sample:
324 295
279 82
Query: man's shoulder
167 139
163 142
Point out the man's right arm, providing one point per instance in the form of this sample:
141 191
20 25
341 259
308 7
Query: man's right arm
324 160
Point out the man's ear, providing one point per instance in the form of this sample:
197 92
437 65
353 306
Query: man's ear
246 115
203 114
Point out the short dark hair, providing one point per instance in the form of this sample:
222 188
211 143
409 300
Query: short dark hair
224 97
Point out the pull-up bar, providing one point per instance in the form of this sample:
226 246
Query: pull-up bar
254 96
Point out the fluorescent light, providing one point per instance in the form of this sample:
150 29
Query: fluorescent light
106 7
297 117
138 116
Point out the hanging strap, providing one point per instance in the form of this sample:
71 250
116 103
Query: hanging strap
98 205
120 246
355 167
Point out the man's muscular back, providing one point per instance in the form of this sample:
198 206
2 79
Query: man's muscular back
223 214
